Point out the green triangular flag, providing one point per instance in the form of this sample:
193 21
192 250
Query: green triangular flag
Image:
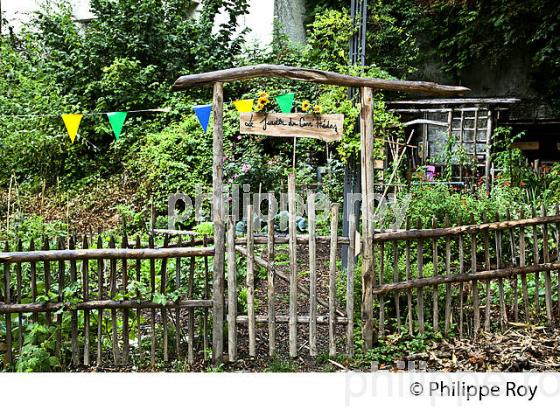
116 119
285 102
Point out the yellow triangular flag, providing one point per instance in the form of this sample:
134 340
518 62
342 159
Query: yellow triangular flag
243 105
72 123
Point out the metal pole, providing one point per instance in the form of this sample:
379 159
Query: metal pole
357 53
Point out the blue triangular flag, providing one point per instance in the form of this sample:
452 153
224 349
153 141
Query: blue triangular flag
203 114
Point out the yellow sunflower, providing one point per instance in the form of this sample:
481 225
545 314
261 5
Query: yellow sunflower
317 109
259 107
263 100
305 106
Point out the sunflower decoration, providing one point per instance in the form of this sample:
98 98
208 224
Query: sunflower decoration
263 101
305 106
317 110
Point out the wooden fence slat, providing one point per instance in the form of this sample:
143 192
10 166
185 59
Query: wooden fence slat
178 330
206 297
8 317
522 263
85 296
486 240
448 295
190 324
47 273
151 244
74 314
501 292
19 285
536 261
435 290
138 269
33 273
292 309
232 290
61 269
460 245
100 296
270 276
396 279
114 317
547 278
126 312
513 281
163 290
251 325
475 291
420 291
410 319
312 275
332 279
350 272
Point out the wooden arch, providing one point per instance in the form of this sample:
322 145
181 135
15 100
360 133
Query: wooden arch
367 87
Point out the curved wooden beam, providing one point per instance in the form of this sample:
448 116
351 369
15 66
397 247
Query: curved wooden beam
314 76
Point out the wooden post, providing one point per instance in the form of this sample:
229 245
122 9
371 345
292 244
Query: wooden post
232 292
292 325
218 211
368 279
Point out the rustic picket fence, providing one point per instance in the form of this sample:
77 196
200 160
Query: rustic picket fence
418 287
495 260
92 285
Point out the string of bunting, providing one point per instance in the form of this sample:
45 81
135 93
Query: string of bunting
203 112
72 121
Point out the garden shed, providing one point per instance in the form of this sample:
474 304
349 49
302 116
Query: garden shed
453 133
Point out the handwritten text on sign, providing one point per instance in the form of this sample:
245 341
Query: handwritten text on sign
326 127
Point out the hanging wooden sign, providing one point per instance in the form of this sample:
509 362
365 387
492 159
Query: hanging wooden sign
326 127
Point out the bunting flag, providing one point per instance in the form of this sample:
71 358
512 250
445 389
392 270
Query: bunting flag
72 123
285 102
243 105
116 119
203 114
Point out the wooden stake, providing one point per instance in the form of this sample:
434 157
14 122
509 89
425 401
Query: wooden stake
251 284
547 278
312 275
292 325
270 276
85 293
350 284
332 279
232 291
